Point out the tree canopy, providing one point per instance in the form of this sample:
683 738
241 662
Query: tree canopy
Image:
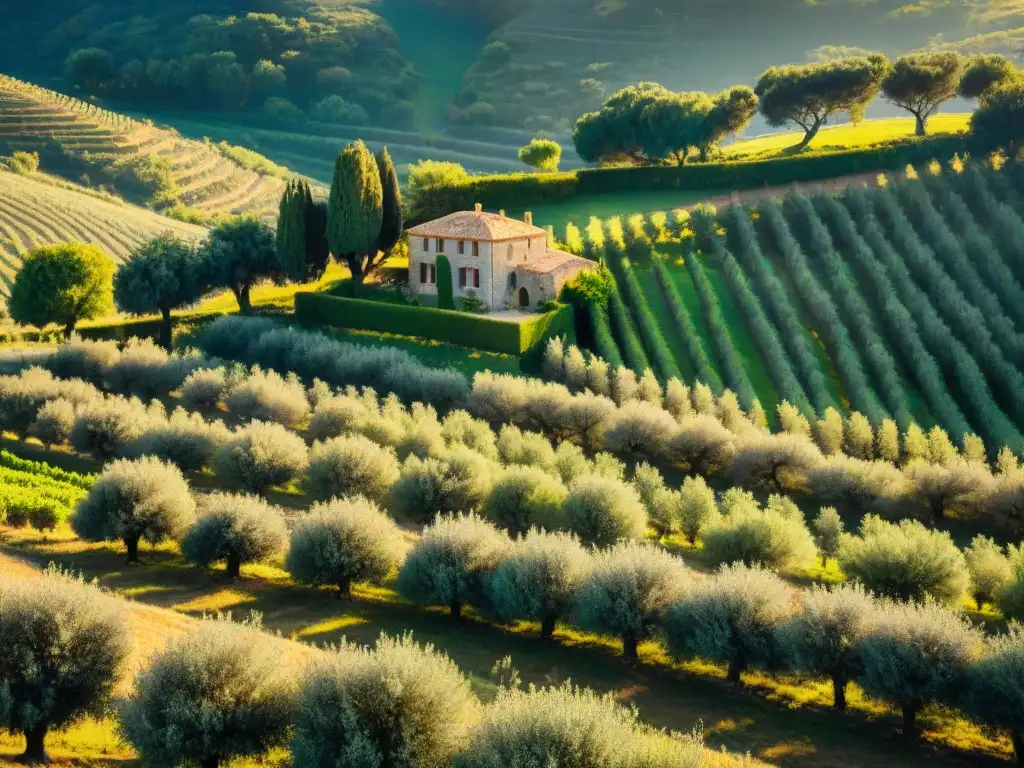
238 254
982 72
62 284
391 211
920 82
355 210
999 121
301 234
542 154
809 95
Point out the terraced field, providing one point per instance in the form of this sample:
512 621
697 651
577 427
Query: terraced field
41 210
33 118
903 302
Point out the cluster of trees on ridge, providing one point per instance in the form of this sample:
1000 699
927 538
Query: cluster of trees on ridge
647 123
359 224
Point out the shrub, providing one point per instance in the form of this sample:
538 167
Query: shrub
696 507
261 456
524 497
771 537
731 618
80 358
22 396
538 578
572 727
185 440
917 654
988 568
105 428
460 428
824 637
400 704
458 482
661 503
54 422
994 692
451 564
827 529
905 561
235 529
132 500
628 591
343 542
269 397
703 445
542 154
780 460
203 389
213 695
1011 596
603 511
145 370
525 448
350 466
65 645
640 431
335 415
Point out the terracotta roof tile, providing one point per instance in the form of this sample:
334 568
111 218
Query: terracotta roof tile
476 225
554 260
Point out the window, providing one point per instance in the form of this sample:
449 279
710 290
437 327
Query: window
476 249
462 247
469 277
440 245
428 273
426 245
512 281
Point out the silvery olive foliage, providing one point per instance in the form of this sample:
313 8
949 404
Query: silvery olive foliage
773 536
603 511
261 456
571 726
344 542
268 396
336 415
459 481
989 570
234 529
539 577
904 561
184 439
628 591
133 500
106 427
524 497
823 638
917 653
80 358
65 644
144 369
400 704
460 428
54 422
350 465
453 562
215 694
731 618
996 684
697 506
204 389
827 530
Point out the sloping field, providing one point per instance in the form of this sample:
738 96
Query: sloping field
41 211
33 118
902 302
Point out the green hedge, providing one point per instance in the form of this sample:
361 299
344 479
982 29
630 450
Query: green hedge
522 190
464 329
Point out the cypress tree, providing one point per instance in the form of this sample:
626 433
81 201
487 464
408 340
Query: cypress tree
355 211
391 228
291 232
318 253
445 289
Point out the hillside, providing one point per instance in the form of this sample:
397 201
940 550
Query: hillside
141 162
41 210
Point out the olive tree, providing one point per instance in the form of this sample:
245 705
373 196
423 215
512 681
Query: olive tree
54 422
628 591
731 618
824 637
538 578
213 695
542 154
351 465
774 536
401 704
827 529
234 529
204 389
460 481
62 284
268 396
995 688
603 511
697 507
917 653
344 542
65 644
185 440
571 726
904 561
988 568
920 82
524 497
261 456
452 563
238 254
133 500
1010 597
161 275
982 72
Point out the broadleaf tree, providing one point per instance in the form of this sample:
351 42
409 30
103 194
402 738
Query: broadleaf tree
355 211
239 254
920 82
984 71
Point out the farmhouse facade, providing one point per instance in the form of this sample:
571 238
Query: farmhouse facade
504 263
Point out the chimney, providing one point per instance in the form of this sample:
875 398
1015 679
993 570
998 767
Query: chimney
502 213
479 207
528 217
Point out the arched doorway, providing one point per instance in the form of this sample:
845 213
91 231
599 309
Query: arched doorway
524 297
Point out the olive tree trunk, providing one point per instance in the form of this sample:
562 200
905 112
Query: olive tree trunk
547 627
131 544
809 135
234 567
629 647
35 747
910 721
166 329
839 693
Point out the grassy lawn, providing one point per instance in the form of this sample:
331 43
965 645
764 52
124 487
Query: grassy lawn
781 720
848 136
660 309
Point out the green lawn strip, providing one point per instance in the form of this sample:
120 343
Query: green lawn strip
801 733
626 335
663 315
579 209
683 284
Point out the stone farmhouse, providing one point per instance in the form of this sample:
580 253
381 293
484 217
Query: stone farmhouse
503 262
